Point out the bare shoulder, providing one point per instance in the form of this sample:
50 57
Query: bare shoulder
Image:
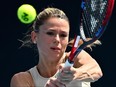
22 79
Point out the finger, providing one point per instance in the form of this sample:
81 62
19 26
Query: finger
49 84
67 72
61 66
65 80
69 69
57 83
66 75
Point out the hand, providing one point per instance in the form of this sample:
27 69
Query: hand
66 74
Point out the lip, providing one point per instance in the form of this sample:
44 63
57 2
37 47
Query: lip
55 48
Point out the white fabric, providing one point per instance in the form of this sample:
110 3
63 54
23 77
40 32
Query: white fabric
40 81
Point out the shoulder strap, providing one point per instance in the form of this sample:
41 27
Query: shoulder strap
39 81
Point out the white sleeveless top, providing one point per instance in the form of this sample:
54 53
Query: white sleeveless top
40 81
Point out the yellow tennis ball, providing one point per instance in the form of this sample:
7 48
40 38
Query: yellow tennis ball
26 13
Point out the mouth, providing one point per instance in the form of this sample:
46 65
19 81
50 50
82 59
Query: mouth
55 48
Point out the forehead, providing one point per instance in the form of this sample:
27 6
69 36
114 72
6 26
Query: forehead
56 23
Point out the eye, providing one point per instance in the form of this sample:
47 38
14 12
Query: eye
50 33
63 35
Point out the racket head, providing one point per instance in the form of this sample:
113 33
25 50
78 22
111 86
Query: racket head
95 15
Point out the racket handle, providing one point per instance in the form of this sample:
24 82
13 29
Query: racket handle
67 63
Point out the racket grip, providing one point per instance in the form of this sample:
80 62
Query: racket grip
67 63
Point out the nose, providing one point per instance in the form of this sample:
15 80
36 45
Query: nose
57 39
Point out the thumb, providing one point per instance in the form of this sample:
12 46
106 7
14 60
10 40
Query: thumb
61 66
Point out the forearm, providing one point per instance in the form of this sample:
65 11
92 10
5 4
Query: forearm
87 68
89 72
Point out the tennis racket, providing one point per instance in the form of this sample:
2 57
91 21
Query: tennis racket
95 15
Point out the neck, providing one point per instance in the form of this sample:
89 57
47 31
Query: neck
47 68
46 71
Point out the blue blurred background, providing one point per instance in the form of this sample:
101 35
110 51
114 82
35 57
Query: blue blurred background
13 59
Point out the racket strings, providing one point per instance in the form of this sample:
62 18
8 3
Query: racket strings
93 15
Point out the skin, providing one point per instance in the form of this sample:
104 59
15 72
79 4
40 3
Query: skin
52 40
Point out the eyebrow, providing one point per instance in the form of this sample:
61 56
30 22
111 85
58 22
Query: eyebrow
56 30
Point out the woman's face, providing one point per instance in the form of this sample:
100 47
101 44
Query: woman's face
52 38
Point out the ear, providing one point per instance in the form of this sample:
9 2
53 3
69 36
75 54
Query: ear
33 37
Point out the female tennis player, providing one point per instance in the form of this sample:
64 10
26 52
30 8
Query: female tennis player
50 35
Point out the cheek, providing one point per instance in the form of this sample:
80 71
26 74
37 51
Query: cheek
42 45
64 44
43 40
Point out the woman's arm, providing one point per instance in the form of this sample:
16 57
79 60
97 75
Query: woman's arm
87 68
